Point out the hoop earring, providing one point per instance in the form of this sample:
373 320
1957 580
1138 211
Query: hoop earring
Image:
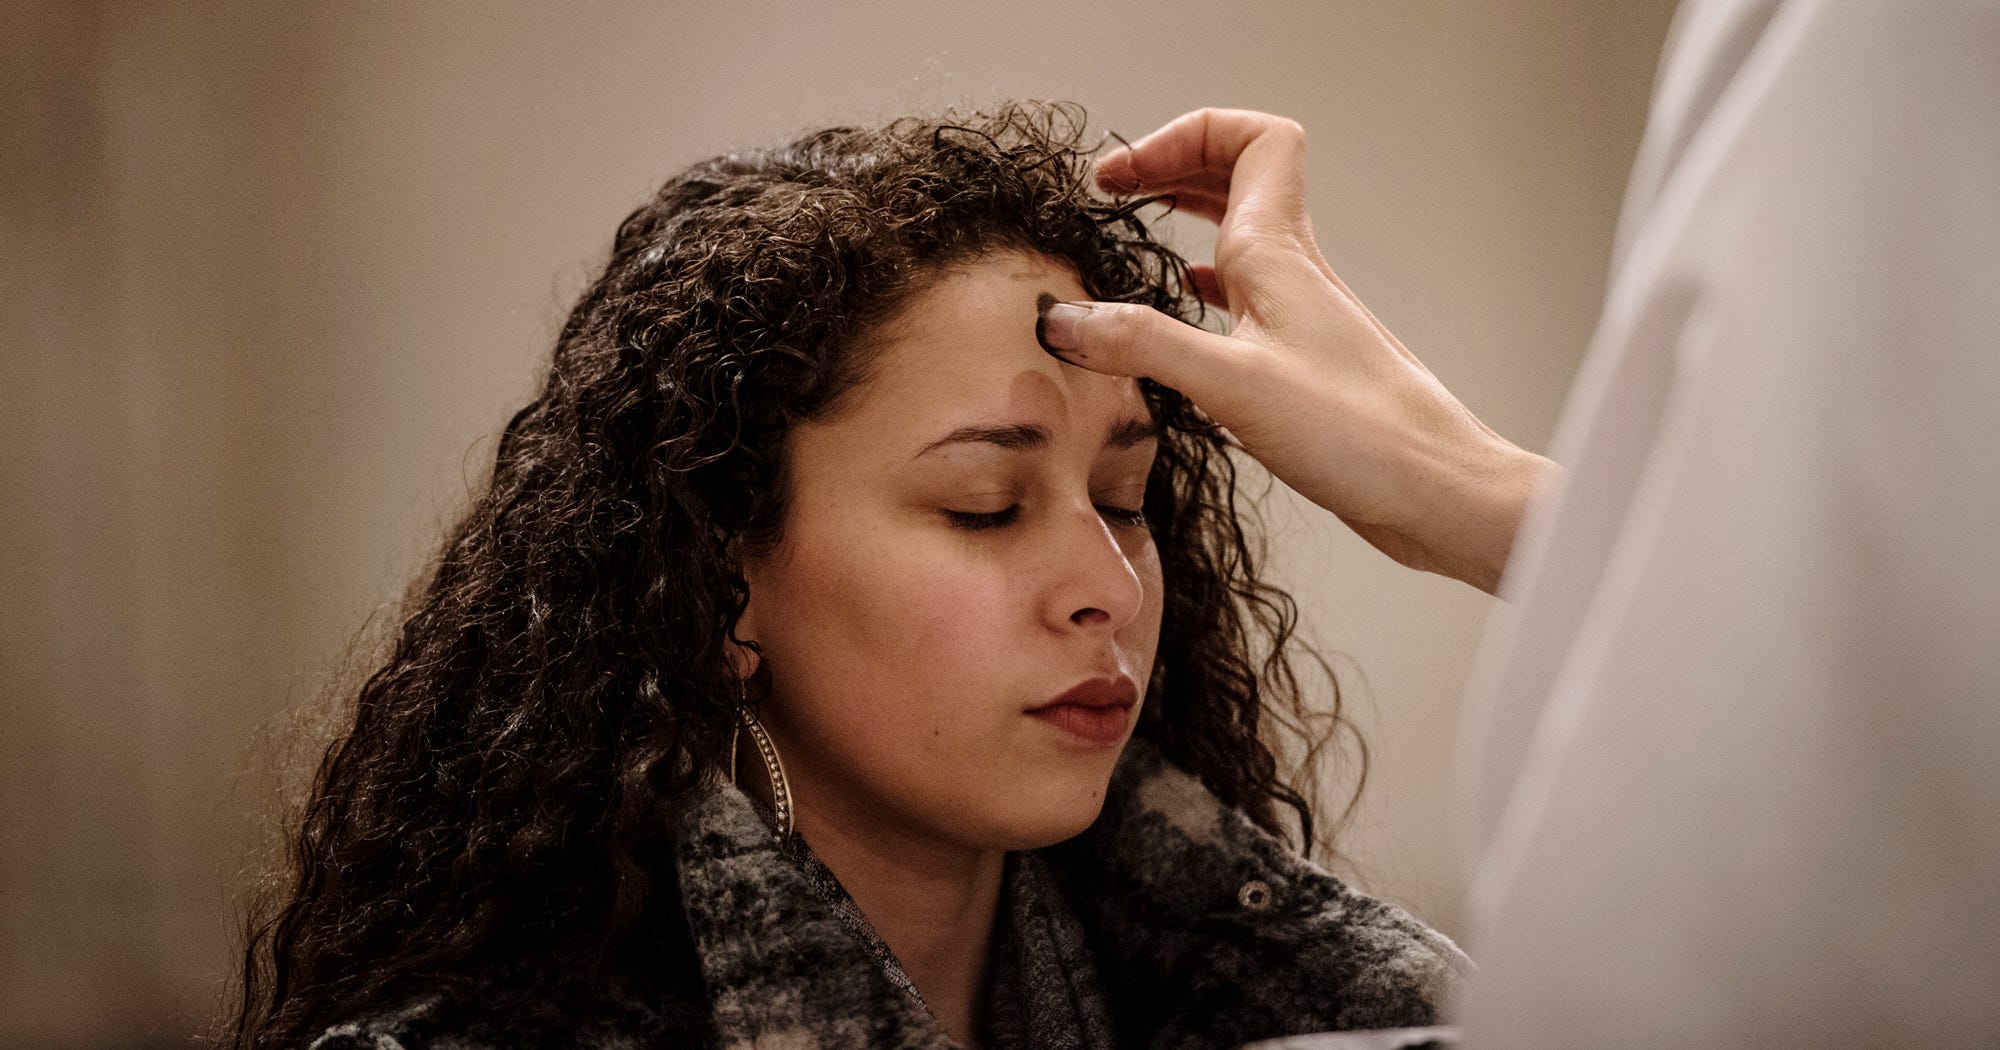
781 789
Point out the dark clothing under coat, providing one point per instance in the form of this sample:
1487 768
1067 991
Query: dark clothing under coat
1173 921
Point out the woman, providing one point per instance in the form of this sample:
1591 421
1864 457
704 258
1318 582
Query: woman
826 664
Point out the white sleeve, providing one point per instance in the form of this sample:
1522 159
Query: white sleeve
1740 783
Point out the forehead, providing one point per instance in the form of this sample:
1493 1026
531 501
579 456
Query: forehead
964 350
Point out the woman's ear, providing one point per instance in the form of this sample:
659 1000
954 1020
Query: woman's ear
742 659
741 645
743 656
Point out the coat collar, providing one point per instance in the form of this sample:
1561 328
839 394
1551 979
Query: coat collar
1213 932
1208 930
781 966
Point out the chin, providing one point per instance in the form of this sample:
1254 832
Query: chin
1045 812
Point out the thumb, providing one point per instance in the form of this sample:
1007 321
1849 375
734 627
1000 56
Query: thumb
1128 339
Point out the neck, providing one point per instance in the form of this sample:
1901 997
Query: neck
934 904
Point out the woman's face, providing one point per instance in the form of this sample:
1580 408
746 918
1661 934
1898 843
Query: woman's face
962 547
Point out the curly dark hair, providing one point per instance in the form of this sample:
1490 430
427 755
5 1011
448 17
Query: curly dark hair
561 677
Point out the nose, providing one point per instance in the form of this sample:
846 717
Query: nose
1093 583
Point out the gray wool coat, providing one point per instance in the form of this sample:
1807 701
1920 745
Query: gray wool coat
1173 921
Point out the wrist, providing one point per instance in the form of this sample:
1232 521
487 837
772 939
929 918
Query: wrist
1479 518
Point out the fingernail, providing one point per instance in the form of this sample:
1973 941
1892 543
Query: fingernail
1055 329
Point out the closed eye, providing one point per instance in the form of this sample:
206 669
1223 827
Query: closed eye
1123 517
973 521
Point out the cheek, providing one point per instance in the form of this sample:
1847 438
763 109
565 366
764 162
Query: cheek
948 620
881 624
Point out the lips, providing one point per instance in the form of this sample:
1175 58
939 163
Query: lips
1097 711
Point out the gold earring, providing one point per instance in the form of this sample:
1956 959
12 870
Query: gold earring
781 789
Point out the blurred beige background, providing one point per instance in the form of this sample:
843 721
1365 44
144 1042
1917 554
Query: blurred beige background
274 277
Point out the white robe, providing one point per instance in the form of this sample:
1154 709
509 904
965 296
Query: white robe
1735 771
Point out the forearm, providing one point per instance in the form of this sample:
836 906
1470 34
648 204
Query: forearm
1476 517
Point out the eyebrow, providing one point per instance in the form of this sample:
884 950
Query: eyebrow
1022 437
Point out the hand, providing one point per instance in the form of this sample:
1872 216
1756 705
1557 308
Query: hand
1308 380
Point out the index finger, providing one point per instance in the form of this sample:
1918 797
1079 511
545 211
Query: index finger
1239 156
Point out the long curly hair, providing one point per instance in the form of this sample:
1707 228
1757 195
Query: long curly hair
561 676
